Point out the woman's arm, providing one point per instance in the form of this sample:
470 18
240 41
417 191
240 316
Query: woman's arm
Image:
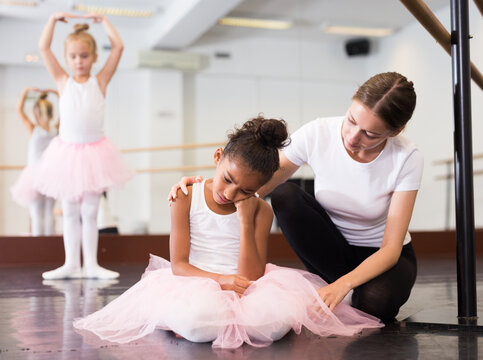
255 217
399 216
287 169
20 109
53 66
179 249
106 73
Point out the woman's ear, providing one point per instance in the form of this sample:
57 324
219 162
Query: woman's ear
218 155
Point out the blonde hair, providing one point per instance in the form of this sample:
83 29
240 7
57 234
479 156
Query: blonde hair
80 33
44 107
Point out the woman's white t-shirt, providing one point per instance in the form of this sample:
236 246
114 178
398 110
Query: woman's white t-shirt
355 195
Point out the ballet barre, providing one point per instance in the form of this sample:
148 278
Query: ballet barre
172 147
430 22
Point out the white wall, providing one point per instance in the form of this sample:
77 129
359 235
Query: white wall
414 53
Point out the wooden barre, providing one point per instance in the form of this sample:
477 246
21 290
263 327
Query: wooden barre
450 161
179 168
451 176
430 22
172 147
479 5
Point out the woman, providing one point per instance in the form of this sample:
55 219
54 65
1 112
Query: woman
366 177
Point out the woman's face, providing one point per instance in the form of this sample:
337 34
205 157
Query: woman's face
79 57
233 181
363 131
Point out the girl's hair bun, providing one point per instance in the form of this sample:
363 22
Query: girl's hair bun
43 95
80 27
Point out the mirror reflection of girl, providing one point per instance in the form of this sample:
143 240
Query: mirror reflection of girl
218 286
81 162
41 132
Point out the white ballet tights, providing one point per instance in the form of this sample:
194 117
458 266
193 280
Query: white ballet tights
42 216
80 226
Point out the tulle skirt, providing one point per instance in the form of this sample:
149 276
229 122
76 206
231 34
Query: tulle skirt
200 311
67 170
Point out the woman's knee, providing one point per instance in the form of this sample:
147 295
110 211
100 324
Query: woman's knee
282 196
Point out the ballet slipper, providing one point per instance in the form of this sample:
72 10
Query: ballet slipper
98 272
63 272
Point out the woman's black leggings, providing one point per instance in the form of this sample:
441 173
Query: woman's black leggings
325 252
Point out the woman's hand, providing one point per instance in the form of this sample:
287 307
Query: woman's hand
236 283
246 210
183 183
334 293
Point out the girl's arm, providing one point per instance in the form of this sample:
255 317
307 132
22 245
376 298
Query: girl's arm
20 110
179 249
105 74
399 216
255 217
53 66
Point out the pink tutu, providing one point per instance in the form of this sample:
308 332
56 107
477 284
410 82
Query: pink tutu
199 310
23 191
67 170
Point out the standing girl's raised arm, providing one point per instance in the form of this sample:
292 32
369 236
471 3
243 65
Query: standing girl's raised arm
107 71
53 66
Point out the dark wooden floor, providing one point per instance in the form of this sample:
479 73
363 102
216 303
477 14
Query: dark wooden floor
36 323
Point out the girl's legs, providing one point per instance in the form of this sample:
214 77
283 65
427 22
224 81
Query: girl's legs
72 241
90 238
36 211
324 251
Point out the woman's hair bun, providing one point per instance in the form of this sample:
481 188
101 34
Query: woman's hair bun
43 95
80 27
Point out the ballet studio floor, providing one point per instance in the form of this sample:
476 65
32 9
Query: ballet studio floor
36 323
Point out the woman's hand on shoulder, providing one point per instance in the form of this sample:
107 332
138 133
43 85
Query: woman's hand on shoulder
247 208
183 185
236 283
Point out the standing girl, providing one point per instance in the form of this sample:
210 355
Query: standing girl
81 162
218 286
41 132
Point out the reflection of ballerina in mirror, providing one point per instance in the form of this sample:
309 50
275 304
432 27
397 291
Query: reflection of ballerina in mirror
41 131
42 324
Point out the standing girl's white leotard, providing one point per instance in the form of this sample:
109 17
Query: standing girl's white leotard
22 191
81 159
199 310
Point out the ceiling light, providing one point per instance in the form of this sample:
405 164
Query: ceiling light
18 3
113 11
358 31
256 23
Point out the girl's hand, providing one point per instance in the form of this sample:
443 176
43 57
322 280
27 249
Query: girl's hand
246 209
183 183
334 293
62 16
236 283
97 18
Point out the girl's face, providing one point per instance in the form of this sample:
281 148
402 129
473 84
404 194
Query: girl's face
233 180
363 131
79 57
